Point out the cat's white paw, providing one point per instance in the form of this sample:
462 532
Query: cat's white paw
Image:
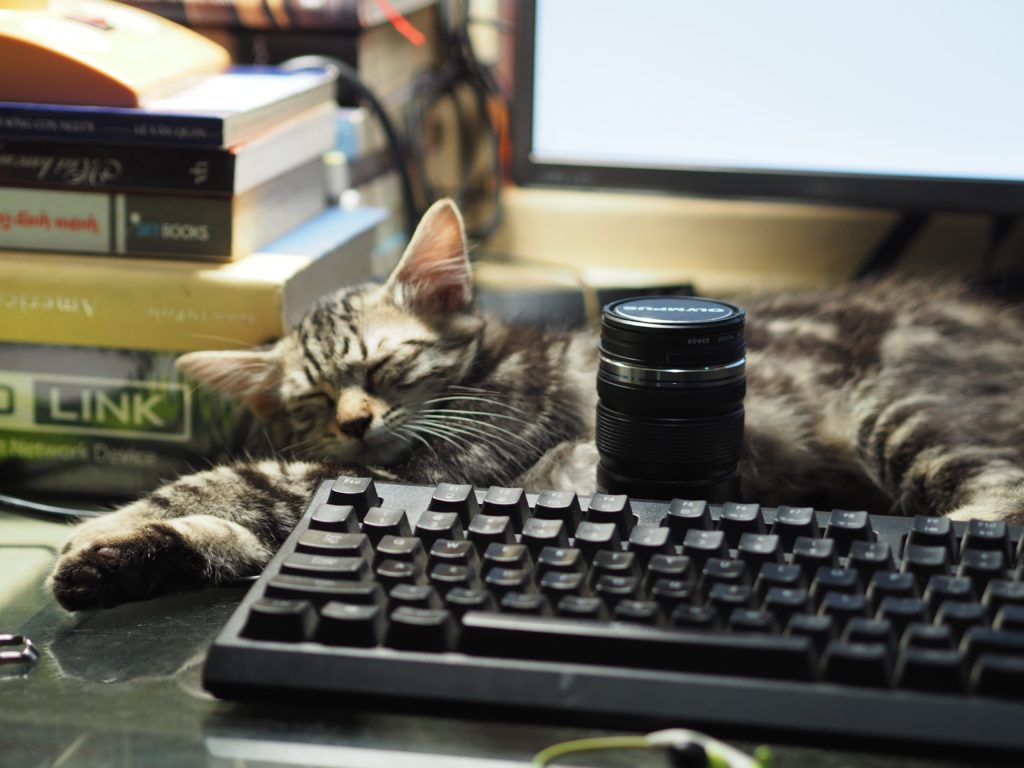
570 466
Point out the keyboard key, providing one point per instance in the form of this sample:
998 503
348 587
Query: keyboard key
612 563
649 540
454 553
992 535
446 576
485 530
282 620
357 492
756 549
1010 617
793 522
434 526
507 502
637 612
932 531
784 602
695 617
414 596
925 562
559 505
828 579
591 538
725 598
557 584
561 559
820 630
500 581
700 546
944 588
842 607
930 669
812 554
539 533
683 515
421 629
326 566
611 589
526 603
379 522
982 640
611 508
737 519
668 593
331 517
585 642
870 557
457 498
902 611
960 616
889 584
577 607
353 625
1000 593
861 630
717 571
332 544
408 549
748 620
507 556
928 636
1001 676
784 575
847 526
319 591
981 566
669 567
860 664
393 572
459 600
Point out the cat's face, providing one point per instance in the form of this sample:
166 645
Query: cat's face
363 376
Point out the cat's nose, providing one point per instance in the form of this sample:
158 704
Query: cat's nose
355 427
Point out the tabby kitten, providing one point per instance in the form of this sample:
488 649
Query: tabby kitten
892 397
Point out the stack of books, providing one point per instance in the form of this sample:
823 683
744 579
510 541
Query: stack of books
391 45
129 235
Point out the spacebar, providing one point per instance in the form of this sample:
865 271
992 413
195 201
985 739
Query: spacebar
635 645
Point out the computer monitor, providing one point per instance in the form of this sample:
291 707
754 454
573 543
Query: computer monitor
912 105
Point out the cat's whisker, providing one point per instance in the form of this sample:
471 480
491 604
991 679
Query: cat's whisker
407 435
481 426
474 431
442 434
478 414
465 399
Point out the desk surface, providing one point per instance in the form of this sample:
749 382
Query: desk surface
121 688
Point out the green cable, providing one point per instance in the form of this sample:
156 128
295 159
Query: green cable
555 751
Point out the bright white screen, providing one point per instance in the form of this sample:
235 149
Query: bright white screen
891 87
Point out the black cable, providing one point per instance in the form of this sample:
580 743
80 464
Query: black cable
23 505
366 96
894 244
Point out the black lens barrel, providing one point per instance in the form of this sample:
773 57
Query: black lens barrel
670 386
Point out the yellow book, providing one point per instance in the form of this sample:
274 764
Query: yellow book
169 305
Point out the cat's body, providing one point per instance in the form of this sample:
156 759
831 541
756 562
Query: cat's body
879 396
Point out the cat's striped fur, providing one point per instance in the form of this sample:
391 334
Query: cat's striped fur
891 397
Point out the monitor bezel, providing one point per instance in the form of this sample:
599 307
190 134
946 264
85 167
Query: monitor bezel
904 193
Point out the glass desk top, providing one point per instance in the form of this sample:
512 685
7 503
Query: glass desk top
121 688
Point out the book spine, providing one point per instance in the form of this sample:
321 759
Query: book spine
334 15
115 168
108 223
170 305
105 422
110 125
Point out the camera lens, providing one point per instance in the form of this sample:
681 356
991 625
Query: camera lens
670 388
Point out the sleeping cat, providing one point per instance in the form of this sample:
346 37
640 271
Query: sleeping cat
892 397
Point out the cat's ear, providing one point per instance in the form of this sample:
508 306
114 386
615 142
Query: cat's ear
250 376
434 274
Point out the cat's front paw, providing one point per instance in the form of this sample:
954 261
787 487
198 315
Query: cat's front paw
111 568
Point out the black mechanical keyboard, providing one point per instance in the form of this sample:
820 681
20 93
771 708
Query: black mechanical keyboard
785 622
